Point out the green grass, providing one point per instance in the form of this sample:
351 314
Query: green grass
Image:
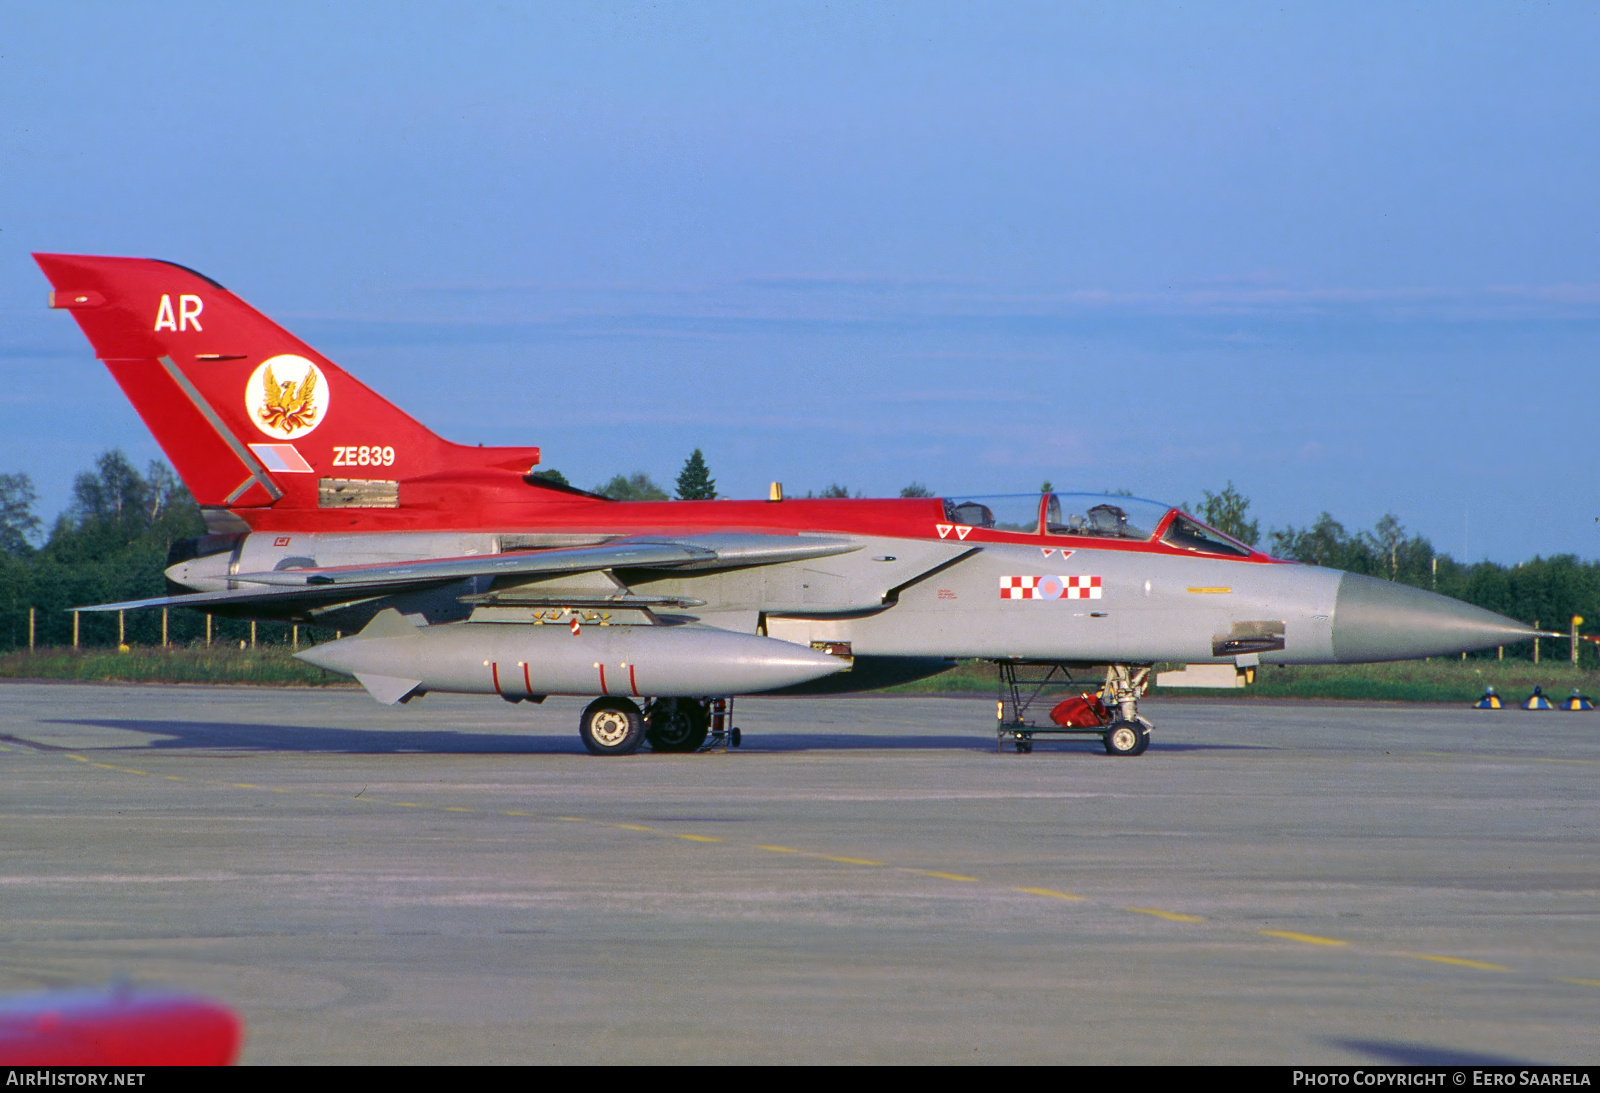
1438 680
264 665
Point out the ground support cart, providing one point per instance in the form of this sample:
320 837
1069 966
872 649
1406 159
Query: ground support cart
1066 698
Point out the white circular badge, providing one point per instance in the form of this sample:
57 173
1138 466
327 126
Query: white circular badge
286 397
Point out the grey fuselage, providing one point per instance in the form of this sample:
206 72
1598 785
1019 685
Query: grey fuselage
922 600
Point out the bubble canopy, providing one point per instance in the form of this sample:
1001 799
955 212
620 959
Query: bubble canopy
1096 515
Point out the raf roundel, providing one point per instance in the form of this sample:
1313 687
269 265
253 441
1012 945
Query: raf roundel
287 396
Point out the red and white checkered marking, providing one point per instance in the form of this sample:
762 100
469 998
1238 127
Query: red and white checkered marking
1082 588
1050 587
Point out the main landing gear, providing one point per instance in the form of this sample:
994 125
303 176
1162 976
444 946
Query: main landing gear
611 726
1107 708
676 724
616 726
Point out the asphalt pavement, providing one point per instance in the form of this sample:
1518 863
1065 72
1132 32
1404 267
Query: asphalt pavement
865 880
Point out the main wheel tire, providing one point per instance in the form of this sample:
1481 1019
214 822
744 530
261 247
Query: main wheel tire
1126 738
677 725
611 726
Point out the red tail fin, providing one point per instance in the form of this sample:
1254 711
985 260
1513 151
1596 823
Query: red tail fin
250 415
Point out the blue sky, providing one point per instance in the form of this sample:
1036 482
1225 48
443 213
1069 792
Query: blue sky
1345 256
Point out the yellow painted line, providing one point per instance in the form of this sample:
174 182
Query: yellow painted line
1170 916
1308 939
1051 892
1204 590
1458 961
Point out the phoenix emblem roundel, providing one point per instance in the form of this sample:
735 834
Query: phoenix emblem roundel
286 397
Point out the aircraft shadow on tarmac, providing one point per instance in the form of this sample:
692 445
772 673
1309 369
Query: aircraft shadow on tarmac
1400 1054
252 736
304 738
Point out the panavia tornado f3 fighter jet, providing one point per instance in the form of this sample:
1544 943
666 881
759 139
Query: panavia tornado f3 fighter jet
459 571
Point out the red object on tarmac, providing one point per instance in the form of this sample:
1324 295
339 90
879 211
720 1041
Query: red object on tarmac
117 1027
1084 711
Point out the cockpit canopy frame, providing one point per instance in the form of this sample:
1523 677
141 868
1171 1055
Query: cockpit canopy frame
1093 516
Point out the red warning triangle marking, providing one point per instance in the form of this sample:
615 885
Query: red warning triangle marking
1047 551
944 530
962 532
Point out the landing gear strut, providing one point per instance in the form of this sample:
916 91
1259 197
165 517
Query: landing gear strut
1107 707
1129 734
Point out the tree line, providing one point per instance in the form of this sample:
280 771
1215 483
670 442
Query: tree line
111 544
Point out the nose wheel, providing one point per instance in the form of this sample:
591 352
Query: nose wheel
1126 738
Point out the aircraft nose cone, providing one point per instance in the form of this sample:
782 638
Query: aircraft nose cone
1381 620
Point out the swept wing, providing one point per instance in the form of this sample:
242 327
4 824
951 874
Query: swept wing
326 585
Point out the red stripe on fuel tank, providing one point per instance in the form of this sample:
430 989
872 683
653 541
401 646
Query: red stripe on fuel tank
494 672
633 684
525 681
602 668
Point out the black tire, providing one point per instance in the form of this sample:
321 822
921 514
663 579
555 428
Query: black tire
677 725
611 726
1126 738
735 737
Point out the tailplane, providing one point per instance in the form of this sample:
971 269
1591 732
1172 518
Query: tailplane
250 416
